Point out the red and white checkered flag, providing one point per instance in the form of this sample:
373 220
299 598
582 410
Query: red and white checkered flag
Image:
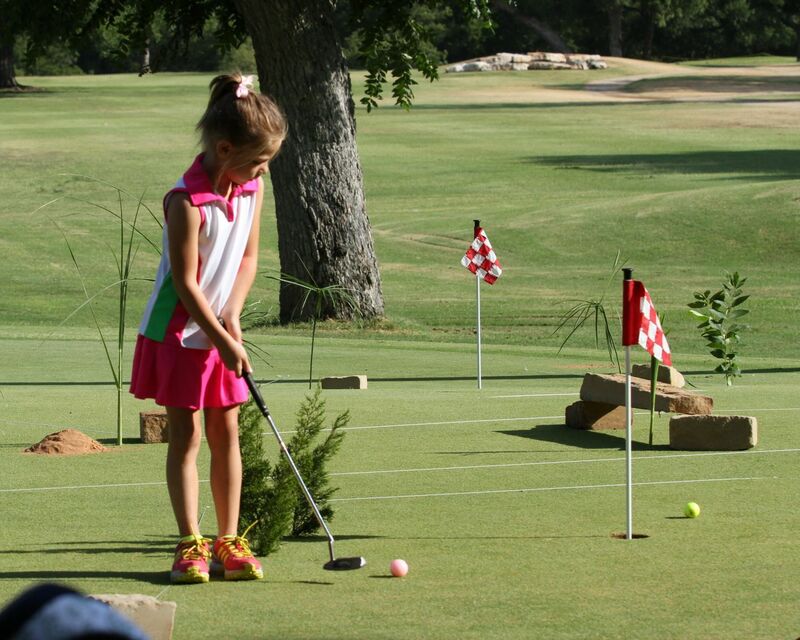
641 324
481 258
651 335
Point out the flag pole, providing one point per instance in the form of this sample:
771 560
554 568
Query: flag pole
477 224
626 290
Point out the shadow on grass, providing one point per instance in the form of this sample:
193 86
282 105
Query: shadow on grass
561 434
99 547
152 577
765 164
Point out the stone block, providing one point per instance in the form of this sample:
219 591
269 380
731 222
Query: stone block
713 433
344 382
545 56
478 65
667 375
155 617
611 390
547 66
154 426
595 416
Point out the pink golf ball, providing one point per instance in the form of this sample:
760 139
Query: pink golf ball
399 568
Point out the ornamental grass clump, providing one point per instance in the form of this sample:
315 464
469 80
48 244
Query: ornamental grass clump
271 496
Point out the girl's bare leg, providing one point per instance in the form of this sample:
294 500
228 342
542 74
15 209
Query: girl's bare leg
222 432
182 480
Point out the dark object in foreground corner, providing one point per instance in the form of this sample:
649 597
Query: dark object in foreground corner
55 612
335 564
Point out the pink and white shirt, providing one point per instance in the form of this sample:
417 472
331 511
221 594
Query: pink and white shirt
224 231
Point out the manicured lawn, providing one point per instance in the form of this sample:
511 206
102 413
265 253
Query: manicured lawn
504 514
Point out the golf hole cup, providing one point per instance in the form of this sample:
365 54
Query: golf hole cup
399 568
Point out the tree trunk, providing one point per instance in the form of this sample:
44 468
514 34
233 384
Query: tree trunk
797 41
8 79
324 235
544 30
615 29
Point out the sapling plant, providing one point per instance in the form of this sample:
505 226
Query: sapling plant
719 313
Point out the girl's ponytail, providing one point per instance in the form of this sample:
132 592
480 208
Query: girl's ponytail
247 119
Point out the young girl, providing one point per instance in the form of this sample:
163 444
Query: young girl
189 355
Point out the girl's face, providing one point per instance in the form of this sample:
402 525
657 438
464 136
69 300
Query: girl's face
250 170
243 169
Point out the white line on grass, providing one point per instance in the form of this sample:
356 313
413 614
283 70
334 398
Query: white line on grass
554 462
489 420
577 487
538 395
382 471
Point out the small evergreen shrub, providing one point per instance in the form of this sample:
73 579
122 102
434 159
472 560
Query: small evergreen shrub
271 496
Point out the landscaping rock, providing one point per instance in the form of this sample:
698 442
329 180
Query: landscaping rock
344 382
536 60
478 65
611 390
595 416
667 375
154 426
155 617
547 66
713 433
545 56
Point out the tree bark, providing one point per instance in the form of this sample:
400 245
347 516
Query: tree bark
615 29
324 235
797 41
544 30
8 79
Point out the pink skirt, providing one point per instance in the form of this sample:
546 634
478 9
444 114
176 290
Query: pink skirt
175 376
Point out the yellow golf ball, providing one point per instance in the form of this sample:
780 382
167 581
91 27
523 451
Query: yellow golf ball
691 510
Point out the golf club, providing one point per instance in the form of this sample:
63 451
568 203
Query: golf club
334 564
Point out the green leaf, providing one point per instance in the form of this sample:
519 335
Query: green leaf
739 300
718 353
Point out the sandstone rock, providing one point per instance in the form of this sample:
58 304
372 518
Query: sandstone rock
519 66
344 382
597 64
668 375
547 66
154 426
478 65
595 416
547 57
713 433
455 68
155 617
611 390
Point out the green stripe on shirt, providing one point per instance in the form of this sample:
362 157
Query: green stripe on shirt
163 310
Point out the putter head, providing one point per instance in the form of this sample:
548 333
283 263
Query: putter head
345 564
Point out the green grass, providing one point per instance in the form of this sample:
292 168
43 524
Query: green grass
562 178
483 564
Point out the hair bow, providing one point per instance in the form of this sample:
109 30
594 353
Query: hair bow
243 90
